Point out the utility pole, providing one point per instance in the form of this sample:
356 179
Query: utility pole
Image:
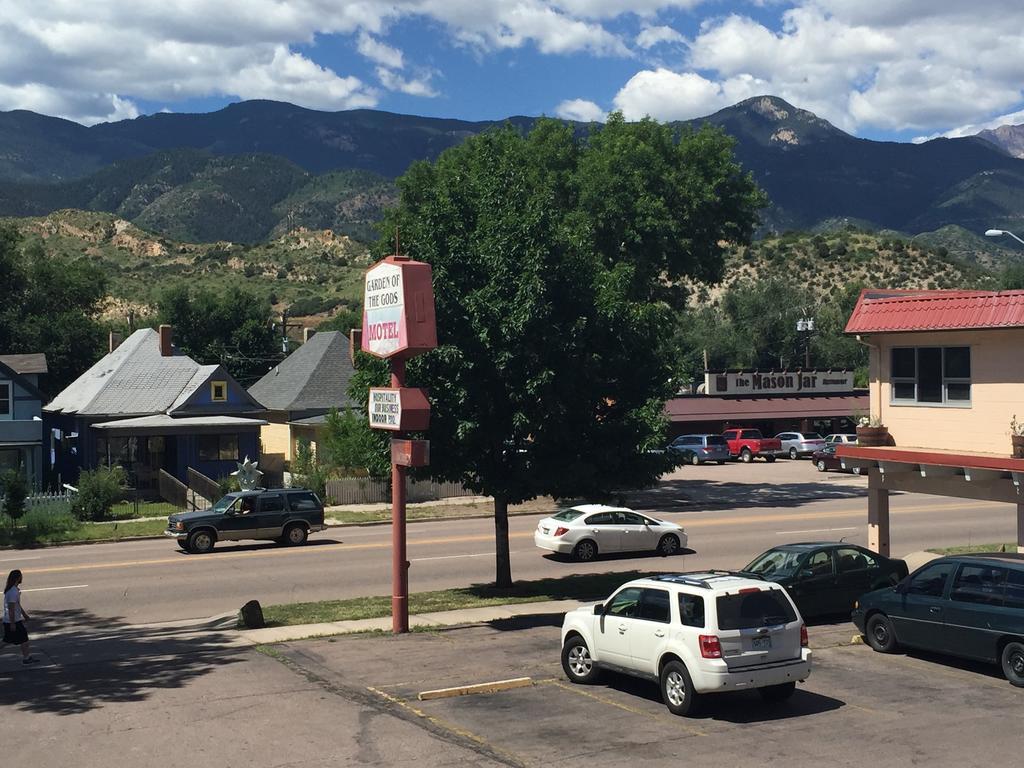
285 325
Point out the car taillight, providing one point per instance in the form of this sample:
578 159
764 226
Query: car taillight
560 531
804 641
748 590
705 450
710 648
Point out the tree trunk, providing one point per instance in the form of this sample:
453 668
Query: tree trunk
503 563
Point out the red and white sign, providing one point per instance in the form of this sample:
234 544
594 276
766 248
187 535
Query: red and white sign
399 409
383 318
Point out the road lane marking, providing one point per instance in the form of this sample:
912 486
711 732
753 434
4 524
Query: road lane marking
818 530
51 589
18 559
709 522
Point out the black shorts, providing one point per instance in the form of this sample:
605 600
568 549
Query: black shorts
15 635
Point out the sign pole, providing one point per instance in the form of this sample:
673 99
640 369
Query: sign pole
399 563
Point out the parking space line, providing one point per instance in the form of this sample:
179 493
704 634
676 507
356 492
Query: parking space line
438 722
818 530
51 589
625 707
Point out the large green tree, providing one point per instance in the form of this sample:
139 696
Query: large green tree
49 304
549 253
232 328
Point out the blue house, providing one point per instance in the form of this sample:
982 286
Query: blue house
148 408
21 426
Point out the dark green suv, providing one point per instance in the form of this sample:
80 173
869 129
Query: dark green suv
965 605
284 515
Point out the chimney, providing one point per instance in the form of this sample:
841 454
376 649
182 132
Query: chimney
114 341
166 347
307 334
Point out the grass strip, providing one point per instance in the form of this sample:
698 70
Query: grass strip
968 549
590 586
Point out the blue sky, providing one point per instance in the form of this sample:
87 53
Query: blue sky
899 69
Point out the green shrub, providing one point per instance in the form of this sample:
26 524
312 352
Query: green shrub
45 524
98 491
228 484
14 489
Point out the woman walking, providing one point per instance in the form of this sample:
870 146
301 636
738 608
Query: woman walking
15 616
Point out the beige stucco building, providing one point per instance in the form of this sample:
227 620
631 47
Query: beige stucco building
946 379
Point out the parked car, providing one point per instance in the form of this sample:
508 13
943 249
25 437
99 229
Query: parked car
797 444
286 516
748 444
840 437
590 529
970 606
693 633
826 459
826 577
698 449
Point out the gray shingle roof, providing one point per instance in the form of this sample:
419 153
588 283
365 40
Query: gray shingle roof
314 377
133 379
34 362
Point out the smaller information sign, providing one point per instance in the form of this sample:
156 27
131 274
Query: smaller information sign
385 409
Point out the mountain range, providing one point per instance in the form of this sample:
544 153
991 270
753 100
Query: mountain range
255 169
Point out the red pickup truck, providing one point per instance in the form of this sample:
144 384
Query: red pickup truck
747 444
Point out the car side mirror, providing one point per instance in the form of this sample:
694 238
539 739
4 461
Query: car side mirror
900 588
599 609
806 573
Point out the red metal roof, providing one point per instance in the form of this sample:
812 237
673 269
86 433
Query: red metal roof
894 311
696 408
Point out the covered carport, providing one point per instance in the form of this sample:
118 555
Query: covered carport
977 476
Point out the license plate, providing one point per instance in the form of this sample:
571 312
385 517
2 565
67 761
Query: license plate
761 643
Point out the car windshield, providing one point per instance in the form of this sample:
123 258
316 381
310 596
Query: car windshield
224 504
763 608
716 440
567 514
776 562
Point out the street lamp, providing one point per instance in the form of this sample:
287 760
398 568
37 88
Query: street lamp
1000 233
806 325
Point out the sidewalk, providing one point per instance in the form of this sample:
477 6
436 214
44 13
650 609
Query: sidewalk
418 621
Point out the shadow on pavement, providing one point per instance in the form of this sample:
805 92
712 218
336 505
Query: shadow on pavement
90 661
226 547
735 706
684 494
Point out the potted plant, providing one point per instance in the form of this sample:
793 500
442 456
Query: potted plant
871 432
1017 437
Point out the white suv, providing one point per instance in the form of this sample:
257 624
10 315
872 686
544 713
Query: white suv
694 633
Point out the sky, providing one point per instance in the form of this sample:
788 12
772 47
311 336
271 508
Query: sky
900 70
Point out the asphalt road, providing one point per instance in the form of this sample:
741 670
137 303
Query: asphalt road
731 513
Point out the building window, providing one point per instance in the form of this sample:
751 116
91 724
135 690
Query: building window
6 404
931 375
218 391
218 447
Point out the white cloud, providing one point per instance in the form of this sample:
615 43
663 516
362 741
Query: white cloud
652 36
379 52
411 86
919 65
971 129
581 111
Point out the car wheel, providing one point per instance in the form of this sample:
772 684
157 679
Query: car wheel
780 692
821 465
295 535
769 459
677 689
577 662
879 634
1013 663
721 463
585 551
669 545
695 460
793 454
746 456
201 542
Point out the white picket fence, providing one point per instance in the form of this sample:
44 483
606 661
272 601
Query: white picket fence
45 499
363 490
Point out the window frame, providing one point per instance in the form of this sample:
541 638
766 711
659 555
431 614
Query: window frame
8 414
697 600
220 438
222 385
945 380
642 605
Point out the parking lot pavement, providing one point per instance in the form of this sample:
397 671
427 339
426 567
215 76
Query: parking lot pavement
858 707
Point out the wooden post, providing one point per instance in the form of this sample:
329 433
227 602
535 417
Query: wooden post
1020 528
878 513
